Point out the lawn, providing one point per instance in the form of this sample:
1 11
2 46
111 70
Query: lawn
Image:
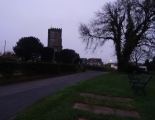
59 106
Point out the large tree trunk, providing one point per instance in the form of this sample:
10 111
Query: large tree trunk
123 64
122 60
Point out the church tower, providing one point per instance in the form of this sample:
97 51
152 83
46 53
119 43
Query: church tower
55 39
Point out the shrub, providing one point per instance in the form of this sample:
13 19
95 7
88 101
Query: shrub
7 68
98 68
67 68
132 68
43 69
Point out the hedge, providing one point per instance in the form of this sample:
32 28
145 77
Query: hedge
8 68
99 68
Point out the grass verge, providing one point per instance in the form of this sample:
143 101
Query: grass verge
59 105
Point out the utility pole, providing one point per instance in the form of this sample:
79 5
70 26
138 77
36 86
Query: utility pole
4 46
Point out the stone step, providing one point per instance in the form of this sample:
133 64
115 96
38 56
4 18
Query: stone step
106 110
101 97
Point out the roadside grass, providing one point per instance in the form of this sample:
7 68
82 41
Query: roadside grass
59 106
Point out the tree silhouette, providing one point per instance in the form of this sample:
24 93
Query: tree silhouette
67 56
47 54
28 48
128 23
138 55
57 57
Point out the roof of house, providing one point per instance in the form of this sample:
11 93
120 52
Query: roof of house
94 59
83 58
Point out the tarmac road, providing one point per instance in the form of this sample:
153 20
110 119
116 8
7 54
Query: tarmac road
17 97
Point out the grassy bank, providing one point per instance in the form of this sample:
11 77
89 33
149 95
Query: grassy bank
59 106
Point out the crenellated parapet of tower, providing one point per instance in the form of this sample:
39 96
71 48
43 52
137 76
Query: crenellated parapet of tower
55 29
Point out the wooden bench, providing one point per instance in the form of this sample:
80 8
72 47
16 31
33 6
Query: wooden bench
140 83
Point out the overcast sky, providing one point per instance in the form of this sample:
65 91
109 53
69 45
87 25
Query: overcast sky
23 18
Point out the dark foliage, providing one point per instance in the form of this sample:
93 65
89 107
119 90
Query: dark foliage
47 54
150 64
134 68
28 48
98 68
146 62
8 68
67 56
57 57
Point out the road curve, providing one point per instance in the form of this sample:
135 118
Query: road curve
17 97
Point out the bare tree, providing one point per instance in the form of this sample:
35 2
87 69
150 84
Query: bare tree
128 23
141 54
138 55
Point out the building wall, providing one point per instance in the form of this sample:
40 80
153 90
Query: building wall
55 39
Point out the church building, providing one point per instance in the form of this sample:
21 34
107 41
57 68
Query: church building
55 39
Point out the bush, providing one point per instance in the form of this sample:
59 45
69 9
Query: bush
7 68
98 68
47 68
15 71
67 68
132 68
